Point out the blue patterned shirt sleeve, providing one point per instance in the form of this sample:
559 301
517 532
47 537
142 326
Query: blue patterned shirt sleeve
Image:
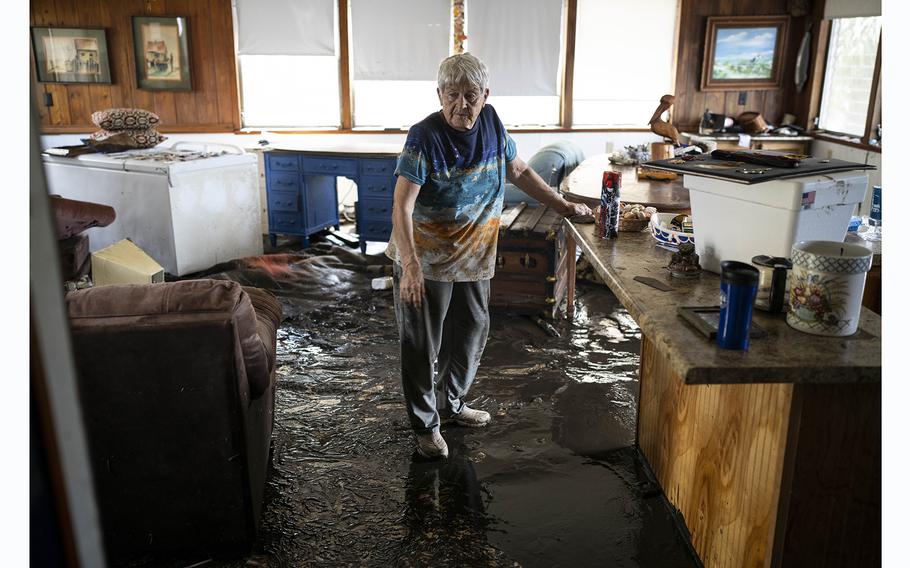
511 150
412 162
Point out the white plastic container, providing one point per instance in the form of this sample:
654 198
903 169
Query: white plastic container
735 221
382 283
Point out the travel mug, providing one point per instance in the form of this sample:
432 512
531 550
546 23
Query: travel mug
773 276
738 288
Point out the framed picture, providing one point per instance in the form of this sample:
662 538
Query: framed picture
71 55
744 53
162 53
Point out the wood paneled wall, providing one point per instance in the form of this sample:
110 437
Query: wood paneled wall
211 106
691 102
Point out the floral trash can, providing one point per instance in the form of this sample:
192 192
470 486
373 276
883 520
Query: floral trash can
826 286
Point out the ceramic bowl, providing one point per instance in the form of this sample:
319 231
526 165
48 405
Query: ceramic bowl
659 230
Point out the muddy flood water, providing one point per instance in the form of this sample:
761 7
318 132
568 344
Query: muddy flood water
555 480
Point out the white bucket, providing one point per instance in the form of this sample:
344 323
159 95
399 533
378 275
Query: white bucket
826 286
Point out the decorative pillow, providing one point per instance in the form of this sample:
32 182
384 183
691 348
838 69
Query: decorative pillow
131 138
124 119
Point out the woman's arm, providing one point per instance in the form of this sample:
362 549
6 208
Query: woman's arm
527 180
411 285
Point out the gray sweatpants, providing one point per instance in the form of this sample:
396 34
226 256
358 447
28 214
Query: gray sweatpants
452 324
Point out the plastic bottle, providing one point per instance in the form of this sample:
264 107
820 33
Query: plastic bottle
382 283
873 222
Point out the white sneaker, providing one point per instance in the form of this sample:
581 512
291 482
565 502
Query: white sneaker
432 445
471 418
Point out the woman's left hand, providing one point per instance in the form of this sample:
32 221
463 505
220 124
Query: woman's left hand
573 209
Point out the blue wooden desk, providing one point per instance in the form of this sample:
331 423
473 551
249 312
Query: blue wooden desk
302 189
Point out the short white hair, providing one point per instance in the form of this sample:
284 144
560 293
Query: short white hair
460 69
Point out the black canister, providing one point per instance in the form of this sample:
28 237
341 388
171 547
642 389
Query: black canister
773 272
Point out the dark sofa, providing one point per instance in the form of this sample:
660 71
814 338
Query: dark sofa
177 382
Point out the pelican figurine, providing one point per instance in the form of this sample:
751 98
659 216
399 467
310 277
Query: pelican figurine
663 127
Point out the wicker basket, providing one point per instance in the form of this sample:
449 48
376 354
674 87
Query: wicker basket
626 225
633 225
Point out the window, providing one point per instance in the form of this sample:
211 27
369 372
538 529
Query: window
849 71
288 79
619 78
393 104
289 58
286 91
520 41
396 47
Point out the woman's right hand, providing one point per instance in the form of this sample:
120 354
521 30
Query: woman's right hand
412 289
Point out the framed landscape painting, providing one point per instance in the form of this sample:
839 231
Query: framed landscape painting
162 53
71 55
744 53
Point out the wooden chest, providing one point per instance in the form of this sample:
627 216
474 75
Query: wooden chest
531 263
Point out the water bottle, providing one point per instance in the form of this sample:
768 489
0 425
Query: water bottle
873 221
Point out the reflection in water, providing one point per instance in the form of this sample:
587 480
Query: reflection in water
445 514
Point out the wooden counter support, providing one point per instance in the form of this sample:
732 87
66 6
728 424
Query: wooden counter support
831 513
772 455
718 452
570 276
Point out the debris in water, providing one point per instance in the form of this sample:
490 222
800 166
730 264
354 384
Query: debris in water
344 488
544 325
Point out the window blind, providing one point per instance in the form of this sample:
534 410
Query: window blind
519 40
285 27
399 40
615 84
852 8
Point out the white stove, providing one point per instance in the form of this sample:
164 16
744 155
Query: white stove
189 208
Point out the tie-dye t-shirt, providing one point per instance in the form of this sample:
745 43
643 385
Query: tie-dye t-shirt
462 179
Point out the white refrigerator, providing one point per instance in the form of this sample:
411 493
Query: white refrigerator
187 209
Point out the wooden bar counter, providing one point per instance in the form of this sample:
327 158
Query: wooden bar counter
772 455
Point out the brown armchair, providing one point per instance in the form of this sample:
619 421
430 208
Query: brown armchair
72 218
177 382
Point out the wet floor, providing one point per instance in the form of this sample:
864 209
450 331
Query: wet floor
555 480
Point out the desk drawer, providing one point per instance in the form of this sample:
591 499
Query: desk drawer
283 162
332 166
373 230
378 167
284 201
281 181
376 187
375 209
285 222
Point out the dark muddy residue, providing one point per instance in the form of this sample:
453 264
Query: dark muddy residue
555 480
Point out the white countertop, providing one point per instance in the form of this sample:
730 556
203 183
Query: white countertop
378 148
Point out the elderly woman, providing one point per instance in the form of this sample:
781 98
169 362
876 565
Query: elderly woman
445 223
